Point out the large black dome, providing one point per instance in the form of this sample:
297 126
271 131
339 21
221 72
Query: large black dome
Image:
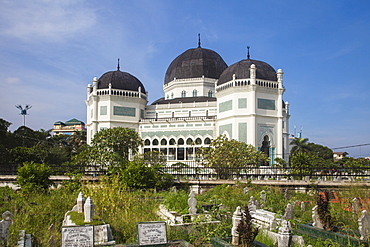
264 71
194 63
120 80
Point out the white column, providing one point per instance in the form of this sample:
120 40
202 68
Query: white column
252 130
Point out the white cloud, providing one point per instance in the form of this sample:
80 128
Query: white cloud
12 80
45 20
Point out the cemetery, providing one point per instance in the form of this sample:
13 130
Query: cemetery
105 213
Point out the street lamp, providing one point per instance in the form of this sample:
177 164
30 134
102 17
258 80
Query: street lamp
23 112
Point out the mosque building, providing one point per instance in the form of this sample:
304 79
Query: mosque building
203 98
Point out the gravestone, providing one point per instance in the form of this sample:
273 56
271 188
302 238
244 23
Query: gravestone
286 194
192 202
80 202
89 210
252 204
103 234
364 225
245 190
152 233
257 203
316 219
289 214
78 236
303 206
4 225
285 235
237 217
263 198
355 205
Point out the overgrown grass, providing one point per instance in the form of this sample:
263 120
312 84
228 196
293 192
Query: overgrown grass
38 214
121 208
41 214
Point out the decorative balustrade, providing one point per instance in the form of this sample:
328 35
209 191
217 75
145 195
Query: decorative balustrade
176 119
119 92
244 82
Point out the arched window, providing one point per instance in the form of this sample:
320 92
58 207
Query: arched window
207 141
210 93
172 141
147 142
180 141
171 95
155 142
183 94
163 142
189 141
198 141
195 93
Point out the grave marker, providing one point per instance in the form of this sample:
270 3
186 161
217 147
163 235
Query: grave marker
151 233
192 202
4 225
78 236
364 225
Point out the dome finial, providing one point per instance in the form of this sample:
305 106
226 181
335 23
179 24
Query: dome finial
199 40
118 65
248 56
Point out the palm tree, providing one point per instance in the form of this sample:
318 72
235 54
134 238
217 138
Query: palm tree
300 145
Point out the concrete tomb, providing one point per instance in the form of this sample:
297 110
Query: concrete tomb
85 235
4 225
364 225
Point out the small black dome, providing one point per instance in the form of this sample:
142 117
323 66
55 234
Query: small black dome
194 63
264 71
120 80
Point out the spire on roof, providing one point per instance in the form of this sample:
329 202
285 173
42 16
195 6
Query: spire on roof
199 40
248 56
118 65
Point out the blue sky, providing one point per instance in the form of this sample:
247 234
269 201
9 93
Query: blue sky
51 50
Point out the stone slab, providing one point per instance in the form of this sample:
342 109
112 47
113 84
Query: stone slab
79 236
151 233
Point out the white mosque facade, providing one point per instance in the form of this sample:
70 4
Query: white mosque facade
204 98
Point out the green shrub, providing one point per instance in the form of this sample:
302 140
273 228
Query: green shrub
177 201
34 177
138 174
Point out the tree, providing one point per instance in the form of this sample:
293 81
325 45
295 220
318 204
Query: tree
76 141
301 164
280 163
321 151
34 177
110 148
224 155
355 166
299 145
4 140
145 172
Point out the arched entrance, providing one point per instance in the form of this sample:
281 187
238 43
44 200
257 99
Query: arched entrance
265 148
